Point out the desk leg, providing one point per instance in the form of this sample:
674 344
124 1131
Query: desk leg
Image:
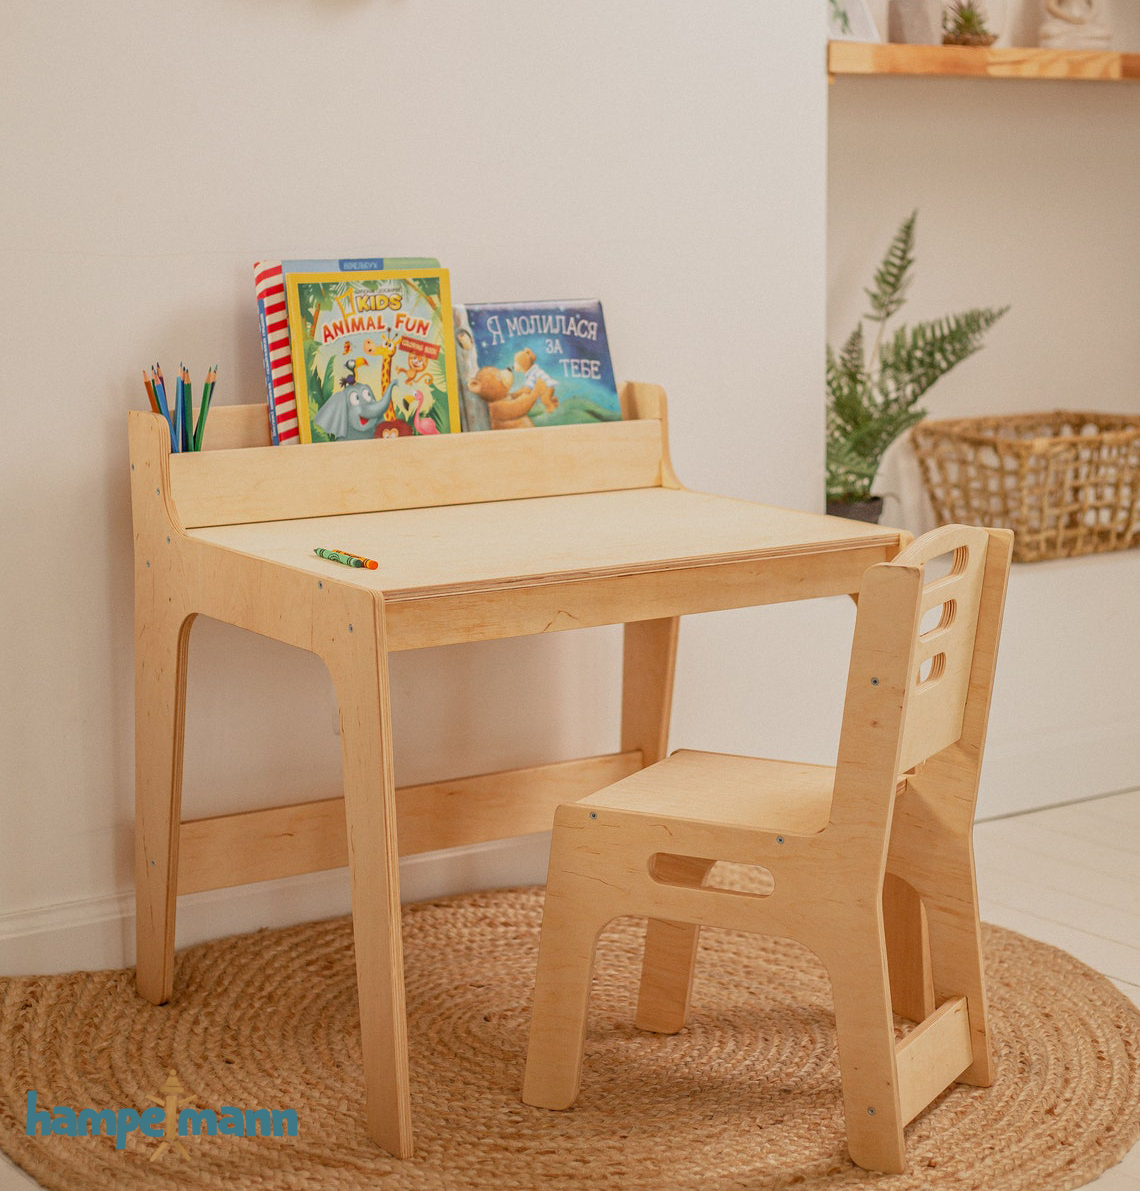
161 645
358 662
650 655
648 661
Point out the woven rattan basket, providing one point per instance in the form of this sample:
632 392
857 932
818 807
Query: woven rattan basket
1066 483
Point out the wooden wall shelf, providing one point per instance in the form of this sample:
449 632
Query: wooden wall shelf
861 58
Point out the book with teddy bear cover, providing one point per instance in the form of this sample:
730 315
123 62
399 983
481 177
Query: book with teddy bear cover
533 364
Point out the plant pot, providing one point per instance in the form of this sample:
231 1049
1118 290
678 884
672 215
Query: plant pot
857 510
973 39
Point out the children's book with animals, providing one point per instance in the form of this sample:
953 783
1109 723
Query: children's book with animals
372 353
269 284
534 364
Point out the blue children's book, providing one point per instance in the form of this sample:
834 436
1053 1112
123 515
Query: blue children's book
533 364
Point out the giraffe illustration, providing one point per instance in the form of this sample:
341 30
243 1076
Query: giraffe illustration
386 350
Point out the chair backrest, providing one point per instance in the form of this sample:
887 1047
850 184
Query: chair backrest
922 663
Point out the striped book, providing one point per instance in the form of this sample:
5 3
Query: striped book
270 286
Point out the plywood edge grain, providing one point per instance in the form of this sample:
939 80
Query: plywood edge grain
1016 62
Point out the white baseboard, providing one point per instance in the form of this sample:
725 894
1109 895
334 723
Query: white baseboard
100 932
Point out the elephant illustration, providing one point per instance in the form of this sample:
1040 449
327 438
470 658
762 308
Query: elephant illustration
352 412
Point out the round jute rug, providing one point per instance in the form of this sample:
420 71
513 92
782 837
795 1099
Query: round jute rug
746 1096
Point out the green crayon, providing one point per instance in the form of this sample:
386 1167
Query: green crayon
349 560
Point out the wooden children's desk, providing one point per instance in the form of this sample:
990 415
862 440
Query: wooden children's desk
478 536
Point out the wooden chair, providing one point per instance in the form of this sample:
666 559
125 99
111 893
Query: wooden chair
893 819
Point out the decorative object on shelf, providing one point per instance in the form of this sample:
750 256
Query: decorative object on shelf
1074 25
915 22
873 397
851 20
1065 483
964 23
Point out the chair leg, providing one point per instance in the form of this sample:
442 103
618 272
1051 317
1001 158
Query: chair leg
570 927
908 950
161 646
865 1032
670 955
936 858
956 959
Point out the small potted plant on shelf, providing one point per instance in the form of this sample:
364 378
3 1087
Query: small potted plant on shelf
873 397
964 23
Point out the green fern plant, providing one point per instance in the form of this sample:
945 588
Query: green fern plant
873 397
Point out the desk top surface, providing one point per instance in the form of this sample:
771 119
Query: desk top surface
477 547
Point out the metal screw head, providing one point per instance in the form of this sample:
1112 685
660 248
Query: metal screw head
874 682
593 814
779 839
870 1112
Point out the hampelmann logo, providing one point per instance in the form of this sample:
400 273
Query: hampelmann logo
171 1118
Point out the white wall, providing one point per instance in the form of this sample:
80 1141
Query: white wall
668 159
672 161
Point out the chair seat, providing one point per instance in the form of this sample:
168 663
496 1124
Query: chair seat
734 792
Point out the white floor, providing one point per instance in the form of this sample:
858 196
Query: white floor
1069 876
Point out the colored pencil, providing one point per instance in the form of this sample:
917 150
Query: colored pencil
204 408
187 411
179 397
150 393
163 405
